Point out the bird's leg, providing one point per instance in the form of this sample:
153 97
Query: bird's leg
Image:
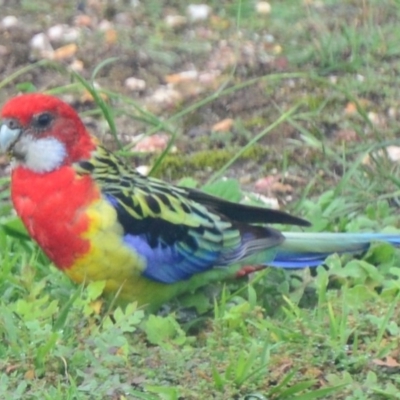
248 269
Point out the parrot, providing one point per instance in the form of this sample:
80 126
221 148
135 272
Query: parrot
98 219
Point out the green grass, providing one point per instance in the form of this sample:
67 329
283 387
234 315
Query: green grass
331 333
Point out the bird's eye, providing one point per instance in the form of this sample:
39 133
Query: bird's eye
43 120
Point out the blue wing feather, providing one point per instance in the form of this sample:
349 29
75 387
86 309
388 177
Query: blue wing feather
175 252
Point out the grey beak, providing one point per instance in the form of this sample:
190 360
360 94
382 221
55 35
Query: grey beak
8 137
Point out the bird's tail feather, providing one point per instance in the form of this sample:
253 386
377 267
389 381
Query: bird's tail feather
301 249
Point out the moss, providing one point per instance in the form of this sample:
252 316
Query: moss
175 166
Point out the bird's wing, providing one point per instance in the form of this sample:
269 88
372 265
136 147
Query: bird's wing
179 232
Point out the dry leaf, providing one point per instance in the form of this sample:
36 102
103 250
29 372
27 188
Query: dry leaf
11 368
223 126
388 362
64 52
350 109
347 135
30 374
83 20
88 98
181 77
111 36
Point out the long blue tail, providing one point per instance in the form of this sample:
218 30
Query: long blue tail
303 249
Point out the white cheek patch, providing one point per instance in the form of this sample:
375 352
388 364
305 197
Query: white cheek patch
40 155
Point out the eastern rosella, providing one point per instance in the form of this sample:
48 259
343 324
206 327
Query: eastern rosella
97 218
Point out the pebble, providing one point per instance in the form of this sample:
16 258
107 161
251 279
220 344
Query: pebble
209 77
392 112
263 7
152 144
393 153
9 21
3 50
40 43
165 95
270 202
333 79
175 21
375 118
105 25
135 84
360 78
198 12
77 66
143 169
63 33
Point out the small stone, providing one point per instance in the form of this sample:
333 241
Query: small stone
175 21
63 33
269 38
270 202
209 77
135 84
105 25
143 169
77 66
375 118
40 43
8 22
3 50
166 95
56 32
263 7
198 12
333 79
392 112
393 153
360 78
152 144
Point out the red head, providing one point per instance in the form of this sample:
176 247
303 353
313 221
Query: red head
43 133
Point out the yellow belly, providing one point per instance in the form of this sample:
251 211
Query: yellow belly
111 260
